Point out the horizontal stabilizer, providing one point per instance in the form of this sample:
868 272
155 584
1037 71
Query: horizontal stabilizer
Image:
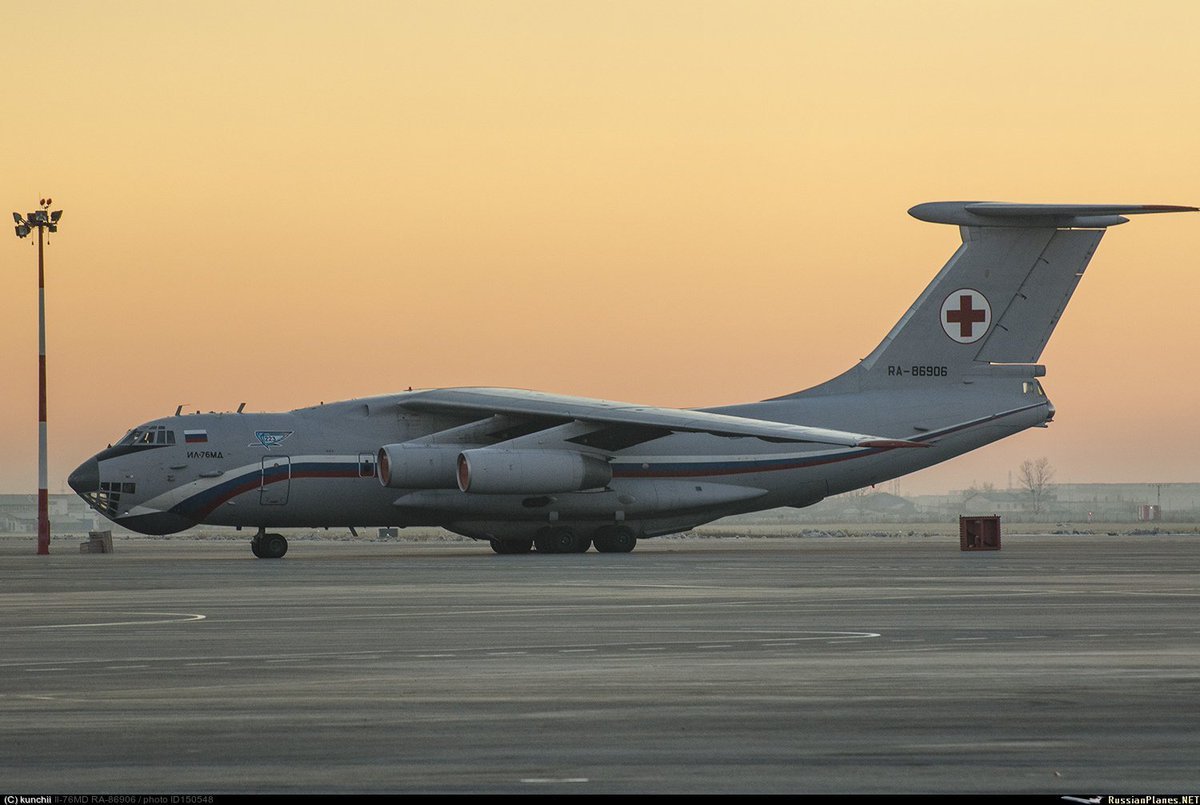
992 213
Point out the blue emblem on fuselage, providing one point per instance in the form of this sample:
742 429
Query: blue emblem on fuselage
270 438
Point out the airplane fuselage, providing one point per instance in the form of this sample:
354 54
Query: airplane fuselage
319 466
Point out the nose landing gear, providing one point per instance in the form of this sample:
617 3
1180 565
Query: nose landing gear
268 546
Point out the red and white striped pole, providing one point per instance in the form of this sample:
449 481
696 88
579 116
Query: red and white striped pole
43 473
43 219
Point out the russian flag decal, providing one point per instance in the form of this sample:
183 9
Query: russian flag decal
194 436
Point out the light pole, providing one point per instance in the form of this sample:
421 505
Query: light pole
42 219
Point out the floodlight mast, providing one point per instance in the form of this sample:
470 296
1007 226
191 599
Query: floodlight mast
43 220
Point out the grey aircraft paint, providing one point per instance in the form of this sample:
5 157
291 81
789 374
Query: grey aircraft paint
524 469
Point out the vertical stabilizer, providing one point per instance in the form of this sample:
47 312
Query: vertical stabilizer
999 297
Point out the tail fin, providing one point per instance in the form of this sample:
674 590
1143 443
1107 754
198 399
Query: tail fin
999 297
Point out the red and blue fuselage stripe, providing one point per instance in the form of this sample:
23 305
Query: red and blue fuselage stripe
203 503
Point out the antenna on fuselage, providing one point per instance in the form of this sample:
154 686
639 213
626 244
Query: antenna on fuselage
240 407
179 409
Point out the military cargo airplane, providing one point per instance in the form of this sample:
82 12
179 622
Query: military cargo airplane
526 470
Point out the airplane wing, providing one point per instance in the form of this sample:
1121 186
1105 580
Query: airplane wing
561 409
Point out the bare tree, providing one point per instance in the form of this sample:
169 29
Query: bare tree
1035 478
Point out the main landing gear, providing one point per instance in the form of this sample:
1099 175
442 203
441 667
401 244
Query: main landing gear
560 539
268 546
614 539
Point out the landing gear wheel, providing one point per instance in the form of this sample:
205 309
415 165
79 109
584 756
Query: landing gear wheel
270 546
614 539
256 546
507 546
561 540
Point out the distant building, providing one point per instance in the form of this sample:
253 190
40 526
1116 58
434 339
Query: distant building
878 504
1117 503
68 514
997 501
1112 503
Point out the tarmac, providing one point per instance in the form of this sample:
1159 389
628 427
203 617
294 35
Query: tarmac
1061 664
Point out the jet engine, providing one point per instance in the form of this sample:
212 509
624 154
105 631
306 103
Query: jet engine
494 471
404 466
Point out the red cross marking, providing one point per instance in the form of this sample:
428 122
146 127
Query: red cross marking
965 316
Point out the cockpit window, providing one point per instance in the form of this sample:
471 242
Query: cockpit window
153 435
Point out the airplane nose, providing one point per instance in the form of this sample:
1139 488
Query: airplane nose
86 477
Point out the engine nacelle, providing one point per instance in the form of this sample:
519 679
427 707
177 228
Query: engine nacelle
494 471
418 466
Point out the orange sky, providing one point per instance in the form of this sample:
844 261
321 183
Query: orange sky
675 203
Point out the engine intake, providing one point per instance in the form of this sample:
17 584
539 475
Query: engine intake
417 466
493 471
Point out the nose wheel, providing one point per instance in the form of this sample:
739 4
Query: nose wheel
268 546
